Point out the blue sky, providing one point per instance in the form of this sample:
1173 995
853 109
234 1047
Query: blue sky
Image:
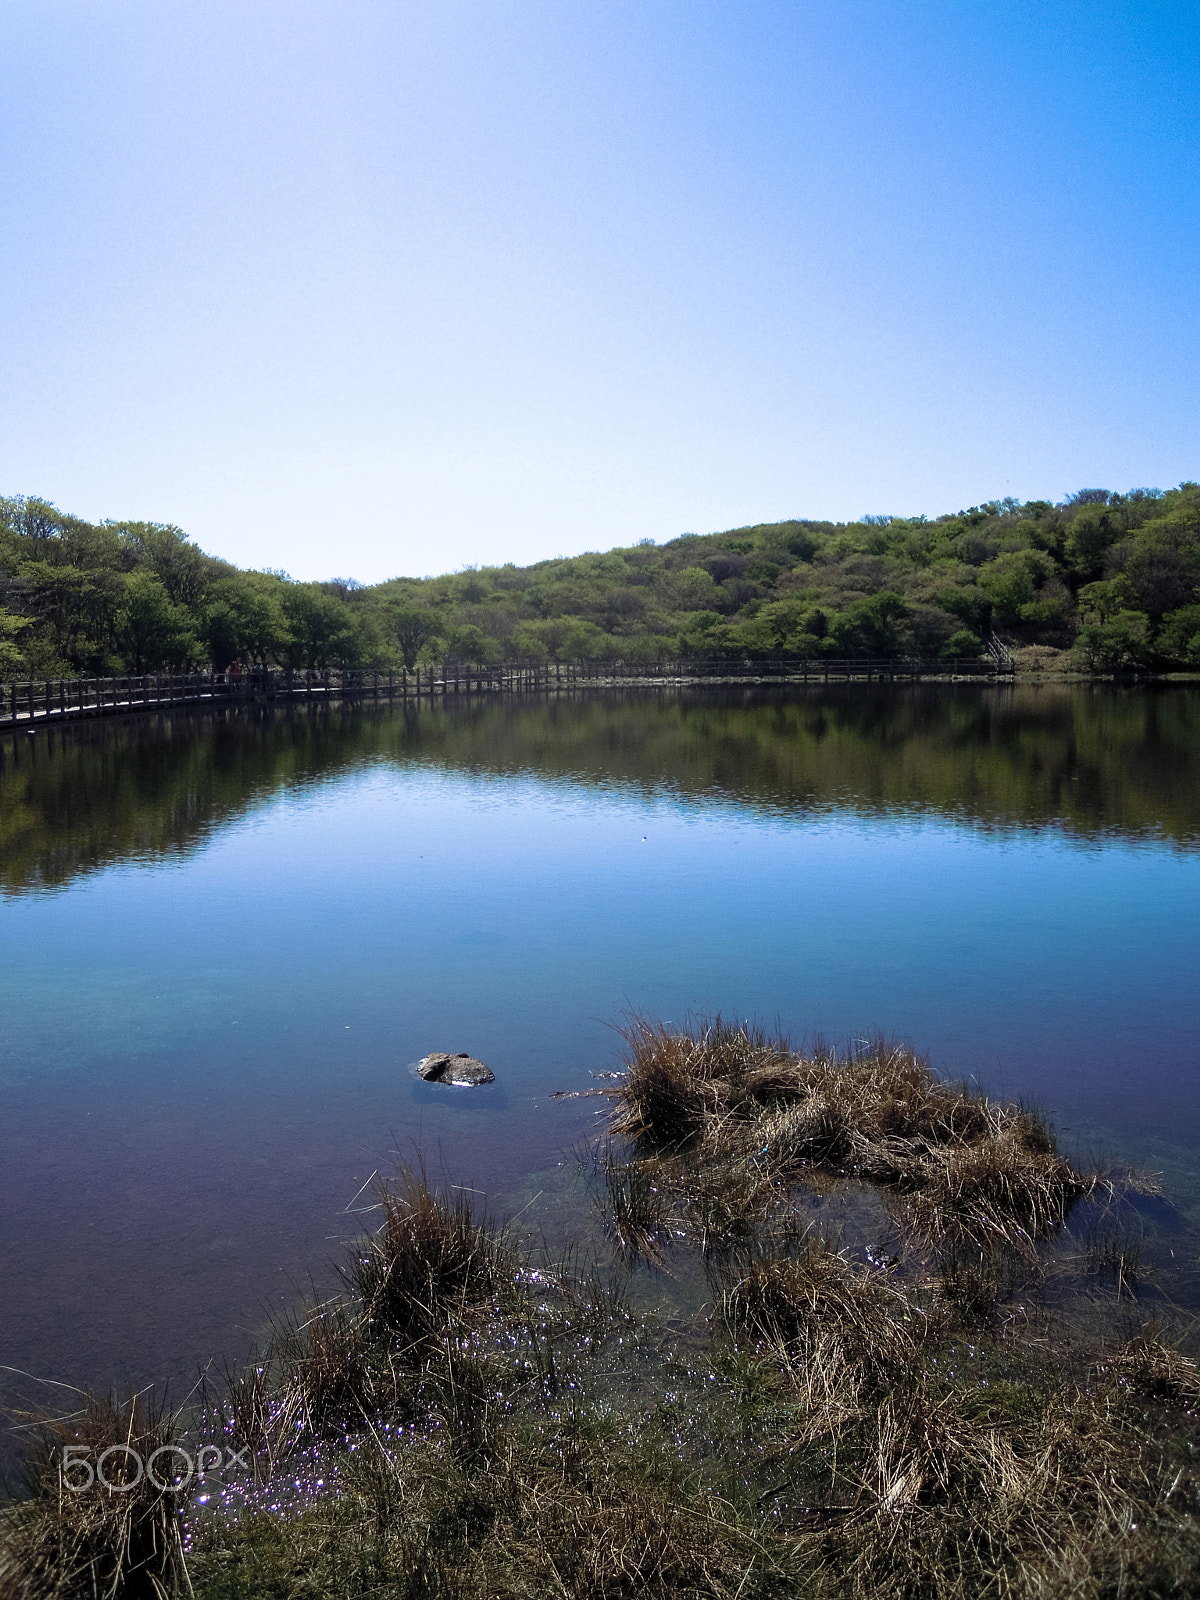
369 288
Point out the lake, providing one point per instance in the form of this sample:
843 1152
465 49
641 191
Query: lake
226 938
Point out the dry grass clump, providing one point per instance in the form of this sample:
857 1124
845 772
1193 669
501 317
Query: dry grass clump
314 1378
840 1333
67 1543
955 1469
800 1303
416 1289
679 1084
1157 1369
431 1263
720 1094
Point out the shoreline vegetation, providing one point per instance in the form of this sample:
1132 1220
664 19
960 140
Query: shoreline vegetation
1100 583
843 1329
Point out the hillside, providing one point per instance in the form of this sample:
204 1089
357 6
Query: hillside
1113 577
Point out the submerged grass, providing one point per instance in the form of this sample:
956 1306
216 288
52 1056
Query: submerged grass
467 1419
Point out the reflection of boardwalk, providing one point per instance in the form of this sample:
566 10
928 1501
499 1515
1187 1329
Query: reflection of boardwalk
29 704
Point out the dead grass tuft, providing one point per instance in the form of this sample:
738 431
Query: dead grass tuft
1156 1368
963 1165
430 1265
66 1543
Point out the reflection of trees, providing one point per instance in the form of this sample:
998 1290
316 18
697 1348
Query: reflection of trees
1089 760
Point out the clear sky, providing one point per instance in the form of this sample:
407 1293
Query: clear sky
373 286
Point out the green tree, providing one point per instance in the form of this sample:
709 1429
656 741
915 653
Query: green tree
1161 578
1011 582
871 627
1090 533
1115 646
321 629
150 630
526 645
467 643
185 572
584 641
77 608
243 620
1180 636
962 643
410 626
11 659
705 633
1100 602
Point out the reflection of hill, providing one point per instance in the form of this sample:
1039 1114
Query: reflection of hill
1089 760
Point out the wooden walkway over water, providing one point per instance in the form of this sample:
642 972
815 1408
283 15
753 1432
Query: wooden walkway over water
34 703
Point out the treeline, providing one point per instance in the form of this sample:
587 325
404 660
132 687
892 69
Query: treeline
1113 577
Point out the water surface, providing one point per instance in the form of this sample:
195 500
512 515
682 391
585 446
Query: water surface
225 938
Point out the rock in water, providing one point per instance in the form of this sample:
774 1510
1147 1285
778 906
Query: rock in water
462 1068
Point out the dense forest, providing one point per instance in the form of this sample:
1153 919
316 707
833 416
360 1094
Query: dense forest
1113 578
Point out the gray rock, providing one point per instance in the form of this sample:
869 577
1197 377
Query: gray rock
462 1069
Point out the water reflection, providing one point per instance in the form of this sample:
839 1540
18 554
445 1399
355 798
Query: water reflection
1089 760
204 1058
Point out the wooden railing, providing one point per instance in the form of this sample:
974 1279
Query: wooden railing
33 702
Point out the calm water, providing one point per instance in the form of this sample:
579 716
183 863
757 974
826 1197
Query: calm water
223 941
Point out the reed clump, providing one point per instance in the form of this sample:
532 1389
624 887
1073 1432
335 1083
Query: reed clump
719 1096
1157 1369
431 1265
954 1468
92 1521
416 1292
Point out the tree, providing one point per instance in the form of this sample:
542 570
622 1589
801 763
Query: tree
184 572
244 620
1089 535
467 643
11 659
932 628
526 645
1180 636
962 643
1115 646
410 626
870 627
1011 581
1162 579
704 633
583 641
151 630
1100 602
321 628
77 608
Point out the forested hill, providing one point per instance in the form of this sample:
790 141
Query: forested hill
1113 577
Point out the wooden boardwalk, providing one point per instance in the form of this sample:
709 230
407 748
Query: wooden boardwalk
34 703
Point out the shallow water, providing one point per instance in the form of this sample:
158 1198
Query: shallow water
224 940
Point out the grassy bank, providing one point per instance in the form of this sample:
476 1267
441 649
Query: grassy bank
899 1353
